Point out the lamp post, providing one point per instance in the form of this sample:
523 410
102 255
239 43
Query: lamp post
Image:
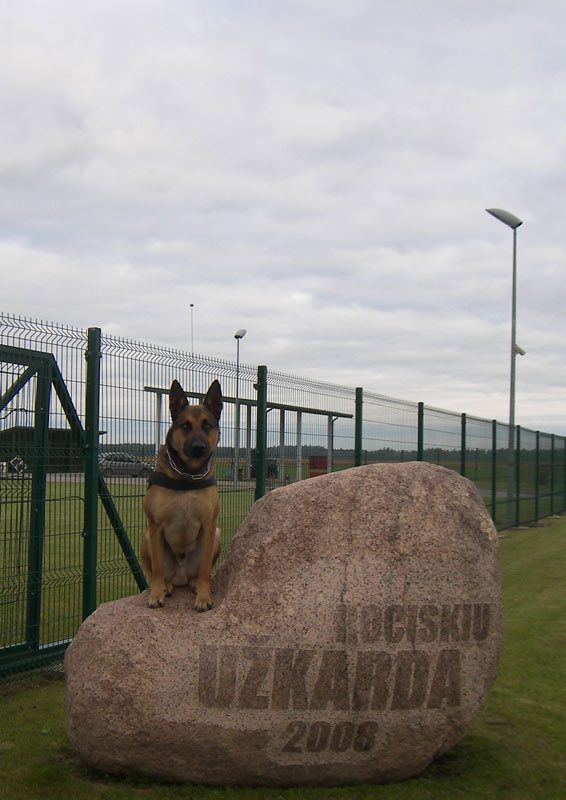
512 222
237 336
191 308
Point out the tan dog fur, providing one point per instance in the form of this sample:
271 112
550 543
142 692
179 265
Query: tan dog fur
182 542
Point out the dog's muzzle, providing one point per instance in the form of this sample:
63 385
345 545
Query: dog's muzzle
196 449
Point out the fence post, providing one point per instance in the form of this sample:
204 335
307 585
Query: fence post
90 533
463 446
261 433
494 470
38 494
420 432
358 426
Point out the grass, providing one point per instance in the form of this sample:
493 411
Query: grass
514 750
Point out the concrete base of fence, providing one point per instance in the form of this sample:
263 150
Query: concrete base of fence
355 633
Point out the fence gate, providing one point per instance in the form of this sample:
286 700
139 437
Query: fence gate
50 489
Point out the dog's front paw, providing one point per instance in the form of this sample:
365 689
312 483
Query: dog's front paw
156 599
203 602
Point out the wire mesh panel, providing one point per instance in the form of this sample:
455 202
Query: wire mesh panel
559 496
546 475
310 429
479 458
526 476
40 497
389 431
236 450
442 438
62 572
15 511
66 344
479 453
505 483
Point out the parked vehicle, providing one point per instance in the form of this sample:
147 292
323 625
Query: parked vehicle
114 464
15 466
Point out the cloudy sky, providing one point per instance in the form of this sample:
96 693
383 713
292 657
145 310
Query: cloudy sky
314 171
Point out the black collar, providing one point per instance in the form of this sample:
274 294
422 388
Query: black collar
179 485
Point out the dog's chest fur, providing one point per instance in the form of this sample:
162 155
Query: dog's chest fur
184 517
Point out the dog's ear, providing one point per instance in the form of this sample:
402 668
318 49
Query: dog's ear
213 400
177 399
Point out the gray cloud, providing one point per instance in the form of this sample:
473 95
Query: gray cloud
314 171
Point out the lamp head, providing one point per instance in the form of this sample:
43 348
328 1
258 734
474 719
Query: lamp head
240 333
506 217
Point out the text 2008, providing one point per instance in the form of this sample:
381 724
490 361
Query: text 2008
315 737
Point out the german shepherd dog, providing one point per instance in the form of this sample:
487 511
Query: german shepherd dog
181 504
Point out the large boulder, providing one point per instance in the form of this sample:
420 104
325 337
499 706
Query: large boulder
355 633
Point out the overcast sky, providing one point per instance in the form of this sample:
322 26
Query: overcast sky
314 171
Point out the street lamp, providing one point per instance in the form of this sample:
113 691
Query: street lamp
512 222
237 336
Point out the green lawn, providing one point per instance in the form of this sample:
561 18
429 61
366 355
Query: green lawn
514 750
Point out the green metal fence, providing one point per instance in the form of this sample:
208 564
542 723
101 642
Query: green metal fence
82 415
